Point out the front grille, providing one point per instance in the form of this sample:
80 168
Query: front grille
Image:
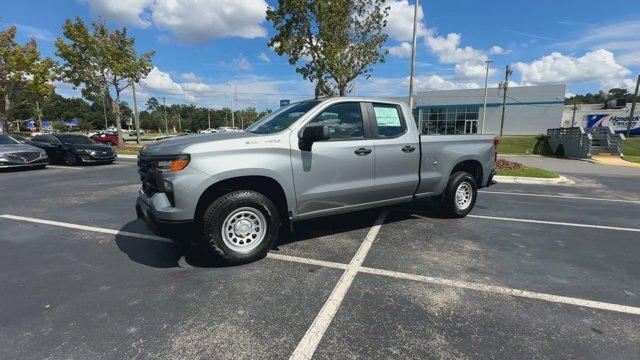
148 175
102 154
24 157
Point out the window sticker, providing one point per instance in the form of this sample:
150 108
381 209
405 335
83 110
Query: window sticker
387 116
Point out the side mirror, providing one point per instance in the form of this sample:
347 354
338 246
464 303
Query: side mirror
311 134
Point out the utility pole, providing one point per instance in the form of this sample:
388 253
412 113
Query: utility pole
505 86
413 62
486 84
166 122
573 116
136 117
209 118
633 107
231 92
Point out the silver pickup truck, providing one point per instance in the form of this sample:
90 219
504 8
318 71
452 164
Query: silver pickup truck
305 160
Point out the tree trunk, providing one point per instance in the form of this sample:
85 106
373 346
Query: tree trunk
116 107
5 117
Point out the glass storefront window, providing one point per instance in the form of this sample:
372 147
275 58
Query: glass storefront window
449 120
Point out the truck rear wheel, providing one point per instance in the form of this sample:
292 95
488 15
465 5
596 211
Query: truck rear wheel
241 226
460 195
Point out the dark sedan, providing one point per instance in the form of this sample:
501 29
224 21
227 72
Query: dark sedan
15 154
73 149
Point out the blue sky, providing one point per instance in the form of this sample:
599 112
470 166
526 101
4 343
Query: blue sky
203 44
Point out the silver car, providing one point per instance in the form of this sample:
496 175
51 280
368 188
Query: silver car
13 153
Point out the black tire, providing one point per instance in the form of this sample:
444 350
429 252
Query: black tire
222 209
69 159
449 204
40 167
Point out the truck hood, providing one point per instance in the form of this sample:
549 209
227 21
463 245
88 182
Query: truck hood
175 145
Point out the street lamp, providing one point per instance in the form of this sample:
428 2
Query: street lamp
484 106
233 92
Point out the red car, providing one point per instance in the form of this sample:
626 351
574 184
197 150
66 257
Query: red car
106 138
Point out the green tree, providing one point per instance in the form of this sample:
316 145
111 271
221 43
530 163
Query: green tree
331 42
25 77
101 61
152 104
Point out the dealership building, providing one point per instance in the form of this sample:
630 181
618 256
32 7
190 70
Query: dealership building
529 110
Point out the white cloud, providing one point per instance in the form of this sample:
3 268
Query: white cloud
264 57
36 33
242 63
402 50
448 50
436 82
498 50
472 70
160 81
190 21
595 66
189 76
128 12
197 21
400 20
621 38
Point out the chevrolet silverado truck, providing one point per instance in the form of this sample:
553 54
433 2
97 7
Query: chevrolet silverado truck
309 159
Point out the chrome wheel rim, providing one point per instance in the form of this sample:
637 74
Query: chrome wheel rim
464 195
244 229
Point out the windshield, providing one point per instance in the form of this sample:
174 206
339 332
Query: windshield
282 118
6 139
74 139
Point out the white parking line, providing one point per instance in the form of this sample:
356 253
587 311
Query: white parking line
505 291
83 227
559 196
312 337
307 346
63 167
555 223
308 261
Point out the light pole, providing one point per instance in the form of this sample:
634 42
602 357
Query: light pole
233 90
484 105
135 112
413 57
166 122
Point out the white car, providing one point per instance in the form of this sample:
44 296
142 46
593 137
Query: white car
207 131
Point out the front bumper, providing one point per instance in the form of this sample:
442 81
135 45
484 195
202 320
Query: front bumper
157 225
87 158
16 164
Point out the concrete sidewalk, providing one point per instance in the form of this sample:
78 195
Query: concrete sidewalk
571 166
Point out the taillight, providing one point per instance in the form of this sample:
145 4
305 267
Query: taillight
496 141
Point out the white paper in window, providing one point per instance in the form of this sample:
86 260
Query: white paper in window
387 116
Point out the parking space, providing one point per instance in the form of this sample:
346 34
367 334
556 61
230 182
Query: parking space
533 273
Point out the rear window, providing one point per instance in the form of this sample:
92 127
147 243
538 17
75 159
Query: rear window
389 120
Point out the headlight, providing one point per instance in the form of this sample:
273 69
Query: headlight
83 151
177 164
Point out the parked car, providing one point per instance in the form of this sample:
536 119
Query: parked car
306 160
73 149
13 153
105 138
207 131
19 138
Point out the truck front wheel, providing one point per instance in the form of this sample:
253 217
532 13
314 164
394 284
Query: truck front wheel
460 195
241 226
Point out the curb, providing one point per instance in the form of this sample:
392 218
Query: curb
561 180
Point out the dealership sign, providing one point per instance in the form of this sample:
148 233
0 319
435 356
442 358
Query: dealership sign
616 123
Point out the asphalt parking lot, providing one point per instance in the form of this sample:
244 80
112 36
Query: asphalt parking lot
536 271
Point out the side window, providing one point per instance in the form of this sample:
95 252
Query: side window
344 121
390 123
38 138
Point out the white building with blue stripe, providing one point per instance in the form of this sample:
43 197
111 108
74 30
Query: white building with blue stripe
530 110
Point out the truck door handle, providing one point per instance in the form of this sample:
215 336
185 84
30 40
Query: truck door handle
408 149
362 151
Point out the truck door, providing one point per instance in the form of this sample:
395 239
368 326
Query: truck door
397 153
336 173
